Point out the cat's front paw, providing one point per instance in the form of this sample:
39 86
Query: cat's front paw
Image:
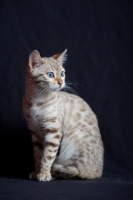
44 176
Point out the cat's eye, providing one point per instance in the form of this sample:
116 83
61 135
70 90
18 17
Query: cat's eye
50 74
62 74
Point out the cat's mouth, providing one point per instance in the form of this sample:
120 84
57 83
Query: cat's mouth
57 87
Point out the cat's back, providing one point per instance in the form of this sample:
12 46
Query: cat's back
77 111
76 103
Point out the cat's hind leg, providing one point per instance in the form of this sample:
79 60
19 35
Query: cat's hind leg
66 172
71 172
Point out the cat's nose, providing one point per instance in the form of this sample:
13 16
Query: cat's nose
60 83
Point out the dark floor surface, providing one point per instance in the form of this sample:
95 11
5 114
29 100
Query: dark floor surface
104 188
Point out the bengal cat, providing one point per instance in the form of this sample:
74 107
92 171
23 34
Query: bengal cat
64 130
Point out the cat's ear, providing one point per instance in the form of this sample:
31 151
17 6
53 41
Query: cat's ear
35 59
61 57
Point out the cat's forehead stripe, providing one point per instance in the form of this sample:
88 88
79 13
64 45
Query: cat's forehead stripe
53 63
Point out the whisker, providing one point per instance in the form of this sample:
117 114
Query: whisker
43 91
72 84
68 82
71 90
79 85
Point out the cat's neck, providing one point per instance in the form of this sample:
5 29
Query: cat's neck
34 94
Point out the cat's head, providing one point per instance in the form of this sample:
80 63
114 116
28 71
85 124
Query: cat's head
47 72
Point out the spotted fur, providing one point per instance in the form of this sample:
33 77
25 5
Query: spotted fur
64 130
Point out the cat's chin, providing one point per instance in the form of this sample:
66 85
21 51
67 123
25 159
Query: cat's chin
57 89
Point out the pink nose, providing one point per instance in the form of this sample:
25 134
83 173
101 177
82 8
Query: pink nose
60 83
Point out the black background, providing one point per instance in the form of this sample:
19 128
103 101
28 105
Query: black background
99 39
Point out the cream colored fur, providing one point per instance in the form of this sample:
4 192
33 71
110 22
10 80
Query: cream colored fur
59 119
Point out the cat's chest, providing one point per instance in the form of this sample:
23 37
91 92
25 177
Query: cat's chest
41 113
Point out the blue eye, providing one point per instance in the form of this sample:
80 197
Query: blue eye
50 74
62 74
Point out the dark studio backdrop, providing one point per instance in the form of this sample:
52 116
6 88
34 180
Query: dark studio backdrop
99 39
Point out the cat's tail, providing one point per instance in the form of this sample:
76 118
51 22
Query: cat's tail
64 172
